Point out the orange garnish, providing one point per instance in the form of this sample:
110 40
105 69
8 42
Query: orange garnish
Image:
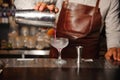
51 32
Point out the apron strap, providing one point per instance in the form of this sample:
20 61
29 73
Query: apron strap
97 4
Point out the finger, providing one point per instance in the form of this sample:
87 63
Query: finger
52 8
56 10
37 5
118 54
43 6
40 6
115 54
108 55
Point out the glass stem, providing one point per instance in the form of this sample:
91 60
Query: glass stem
59 55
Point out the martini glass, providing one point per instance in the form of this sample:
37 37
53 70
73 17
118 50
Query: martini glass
59 43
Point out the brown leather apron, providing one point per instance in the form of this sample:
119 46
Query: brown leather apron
81 24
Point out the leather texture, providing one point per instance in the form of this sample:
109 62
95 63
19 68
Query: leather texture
77 20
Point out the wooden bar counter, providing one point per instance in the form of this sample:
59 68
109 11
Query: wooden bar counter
46 69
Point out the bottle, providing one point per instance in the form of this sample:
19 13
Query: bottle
12 8
5 9
13 32
24 35
42 39
0 12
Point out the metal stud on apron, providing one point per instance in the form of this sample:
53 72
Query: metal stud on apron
81 24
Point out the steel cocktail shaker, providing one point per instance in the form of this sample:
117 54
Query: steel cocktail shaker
35 18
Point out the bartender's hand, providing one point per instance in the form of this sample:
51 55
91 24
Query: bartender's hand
113 53
42 6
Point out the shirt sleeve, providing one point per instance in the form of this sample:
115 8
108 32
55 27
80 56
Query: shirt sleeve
112 23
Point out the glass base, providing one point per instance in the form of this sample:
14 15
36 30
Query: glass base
60 61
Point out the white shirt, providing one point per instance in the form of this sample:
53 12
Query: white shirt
109 10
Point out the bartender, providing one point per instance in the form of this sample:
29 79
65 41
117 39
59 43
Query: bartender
109 12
